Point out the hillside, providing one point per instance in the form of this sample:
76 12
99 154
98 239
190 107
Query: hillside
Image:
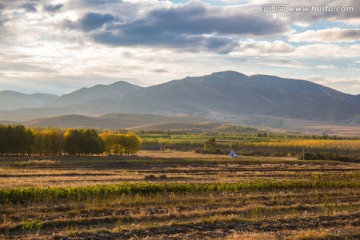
97 94
258 100
235 93
110 121
11 100
205 126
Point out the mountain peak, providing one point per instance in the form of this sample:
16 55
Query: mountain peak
123 83
99 92
228 73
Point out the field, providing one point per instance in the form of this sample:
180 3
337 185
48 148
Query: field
176 195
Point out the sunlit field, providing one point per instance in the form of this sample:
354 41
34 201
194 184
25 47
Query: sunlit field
171 195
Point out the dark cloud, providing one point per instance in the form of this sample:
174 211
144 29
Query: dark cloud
29 6
200 19
99 2
116 7
53 8
190 26
194 43
2 18
91 21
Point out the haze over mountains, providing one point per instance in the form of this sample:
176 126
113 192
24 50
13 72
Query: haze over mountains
223 96
11 100
113 121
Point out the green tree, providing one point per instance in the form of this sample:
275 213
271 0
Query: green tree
72 141
83 142
15 140
48 142
210 145
91 142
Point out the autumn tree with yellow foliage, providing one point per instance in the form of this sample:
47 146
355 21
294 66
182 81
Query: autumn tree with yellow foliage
120 144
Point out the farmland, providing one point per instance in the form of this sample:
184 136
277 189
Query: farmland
172 195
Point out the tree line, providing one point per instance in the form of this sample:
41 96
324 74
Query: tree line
17 140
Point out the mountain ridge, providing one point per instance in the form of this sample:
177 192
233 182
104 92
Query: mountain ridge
11 100
217 94
100 91
109 121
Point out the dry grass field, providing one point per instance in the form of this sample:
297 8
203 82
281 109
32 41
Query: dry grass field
175 195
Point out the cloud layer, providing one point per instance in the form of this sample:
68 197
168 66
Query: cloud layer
327 35
192 26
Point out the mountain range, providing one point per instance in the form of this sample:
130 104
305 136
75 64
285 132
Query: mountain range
11 100
222 97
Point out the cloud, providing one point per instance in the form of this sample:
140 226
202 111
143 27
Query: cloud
29 7
160 70
92 21
198 18
251 47
194 25
327 35
22 67
349 85
328 51
98 2
186 42
53 7
326 67
282 63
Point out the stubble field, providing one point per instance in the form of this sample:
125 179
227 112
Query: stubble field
177 195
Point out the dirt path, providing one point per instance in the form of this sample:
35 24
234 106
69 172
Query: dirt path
181 154
176 154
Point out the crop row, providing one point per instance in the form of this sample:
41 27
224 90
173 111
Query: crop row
53 194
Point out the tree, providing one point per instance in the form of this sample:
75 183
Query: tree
83 142
121 143
133 143
48 142
210 145
15 139
92 143
72 142
109 139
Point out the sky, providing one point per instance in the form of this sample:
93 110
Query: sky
58 46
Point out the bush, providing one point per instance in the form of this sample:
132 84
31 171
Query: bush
322 156
150 177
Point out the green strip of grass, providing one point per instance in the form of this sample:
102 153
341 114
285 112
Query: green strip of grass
52 194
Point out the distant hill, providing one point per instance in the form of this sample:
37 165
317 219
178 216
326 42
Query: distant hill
205 126
11 100
110 121
258 100
97 95
7 122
